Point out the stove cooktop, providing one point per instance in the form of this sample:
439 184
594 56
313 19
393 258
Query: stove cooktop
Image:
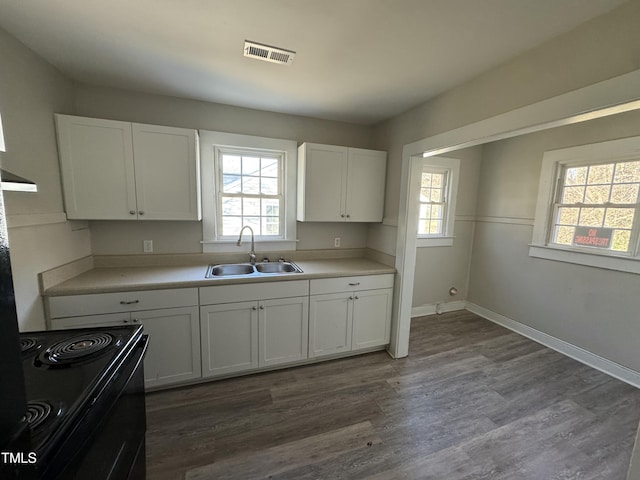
64 371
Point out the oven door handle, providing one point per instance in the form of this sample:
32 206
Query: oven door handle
143 343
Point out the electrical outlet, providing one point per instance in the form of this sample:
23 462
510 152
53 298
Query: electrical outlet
337 241
147 246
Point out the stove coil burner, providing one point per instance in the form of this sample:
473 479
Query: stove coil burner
77 348
27 344
37 412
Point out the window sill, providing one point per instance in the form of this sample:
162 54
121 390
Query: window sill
607 262
424 242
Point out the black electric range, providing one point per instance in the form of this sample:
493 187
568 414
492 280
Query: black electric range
85 405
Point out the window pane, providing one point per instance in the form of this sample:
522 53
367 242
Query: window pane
250 166
627 172
435 227
270 226
425 195
626 193
437 180
423 227
621 239
576 176
597 194
251 185
231 225
436 194
426 180
591 217
231 164
231 206
269 186
271 207
619 218
251 206
425 211
600 174
568 216
564 235
573 195
269 167
253 222
231 184
437 212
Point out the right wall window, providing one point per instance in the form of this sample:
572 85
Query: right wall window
588 201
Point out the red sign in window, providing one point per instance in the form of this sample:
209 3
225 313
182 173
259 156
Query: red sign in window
593 237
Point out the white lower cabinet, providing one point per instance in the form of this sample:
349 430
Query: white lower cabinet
349 319
222 330
283 328
270 327
173 355
229 335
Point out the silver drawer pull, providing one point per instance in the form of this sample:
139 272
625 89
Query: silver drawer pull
122 302
354 284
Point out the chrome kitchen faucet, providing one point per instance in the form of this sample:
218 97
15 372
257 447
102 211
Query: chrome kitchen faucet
252 253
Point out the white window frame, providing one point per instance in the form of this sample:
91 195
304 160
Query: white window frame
452 167
552 163
210 144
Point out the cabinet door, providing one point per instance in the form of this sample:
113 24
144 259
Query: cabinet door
366 175
330 323
322 177
371 318
166 166
229 335
96 164
174 345
283 327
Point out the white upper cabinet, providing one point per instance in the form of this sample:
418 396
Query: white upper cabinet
340 184
122 171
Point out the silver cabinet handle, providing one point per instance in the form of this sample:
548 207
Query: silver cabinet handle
125 321
254 308
135 320
356 299
261 307
350 298
348 216
355 284
132 212
141 212
342 215
131 302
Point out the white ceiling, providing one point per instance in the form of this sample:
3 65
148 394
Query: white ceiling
359 61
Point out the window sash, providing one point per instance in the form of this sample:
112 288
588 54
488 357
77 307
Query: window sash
555 223
444 204
261 219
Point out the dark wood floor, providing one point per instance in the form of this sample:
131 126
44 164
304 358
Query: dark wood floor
472 401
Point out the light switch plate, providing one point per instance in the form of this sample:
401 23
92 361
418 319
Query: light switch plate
147 246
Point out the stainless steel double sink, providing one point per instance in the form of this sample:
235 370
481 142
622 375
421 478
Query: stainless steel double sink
234 269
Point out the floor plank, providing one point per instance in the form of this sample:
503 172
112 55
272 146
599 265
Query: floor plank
472 401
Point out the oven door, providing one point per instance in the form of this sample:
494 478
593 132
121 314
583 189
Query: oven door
115 447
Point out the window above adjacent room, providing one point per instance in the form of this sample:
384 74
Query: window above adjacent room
587 210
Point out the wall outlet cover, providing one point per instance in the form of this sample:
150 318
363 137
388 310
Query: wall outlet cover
147 246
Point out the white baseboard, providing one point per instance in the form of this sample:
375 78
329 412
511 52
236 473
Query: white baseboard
612 369
434 308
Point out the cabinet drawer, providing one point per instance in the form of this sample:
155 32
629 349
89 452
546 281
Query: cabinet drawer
89 321
78 305
346 284
253 291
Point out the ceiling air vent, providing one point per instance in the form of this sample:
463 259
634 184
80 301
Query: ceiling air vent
267 53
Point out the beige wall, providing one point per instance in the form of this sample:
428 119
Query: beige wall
184 237
30 92
592 308
440 268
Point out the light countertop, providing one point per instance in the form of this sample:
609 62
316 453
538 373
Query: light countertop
118 279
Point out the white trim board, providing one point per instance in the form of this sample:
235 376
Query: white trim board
579 354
